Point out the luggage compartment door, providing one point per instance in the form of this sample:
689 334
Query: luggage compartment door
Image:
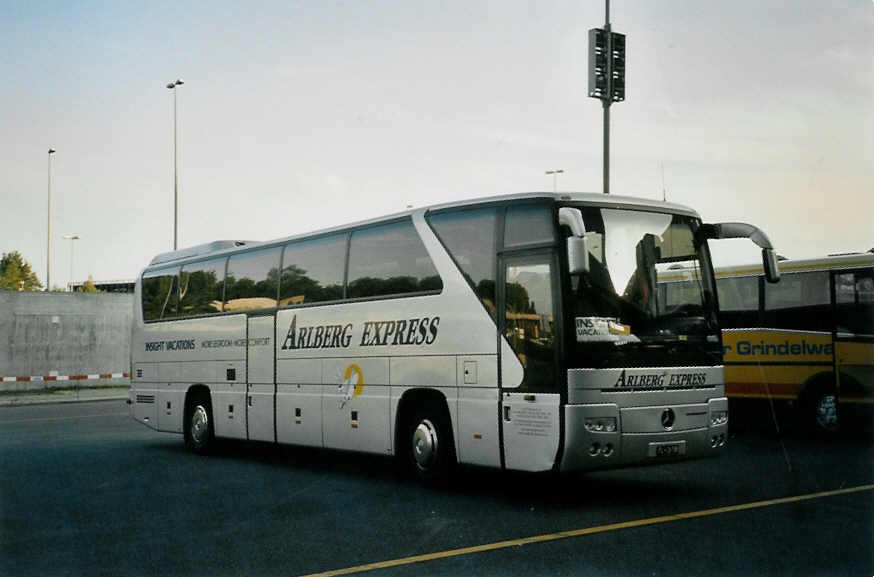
261 378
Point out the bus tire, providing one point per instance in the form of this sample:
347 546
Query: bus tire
429 449
821 409
198 425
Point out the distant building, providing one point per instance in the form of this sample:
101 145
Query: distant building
105 286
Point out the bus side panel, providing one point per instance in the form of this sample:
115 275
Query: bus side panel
431 372
229 409
170 407
762 363
477 436
769 381
856 361
172 356
260 377
144 393
355 342
531 430
299 402
355 404
418 371
175 378
145 404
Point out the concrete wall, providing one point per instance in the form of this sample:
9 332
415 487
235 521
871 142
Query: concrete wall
64 333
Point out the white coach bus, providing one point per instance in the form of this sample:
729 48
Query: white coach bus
522 332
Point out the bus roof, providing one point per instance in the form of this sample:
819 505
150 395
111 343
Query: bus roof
197 250
588 198
591 199
831 262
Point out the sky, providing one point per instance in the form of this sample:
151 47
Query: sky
296 116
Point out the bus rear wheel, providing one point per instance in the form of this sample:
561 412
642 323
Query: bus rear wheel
198 426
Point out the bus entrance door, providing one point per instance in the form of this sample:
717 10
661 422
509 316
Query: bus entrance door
529 417
261 378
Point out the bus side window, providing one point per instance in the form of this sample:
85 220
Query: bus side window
469 236
389 259
312 270
738 301
253 280
799 301
854 299
528 224
160 294
529 321
200 287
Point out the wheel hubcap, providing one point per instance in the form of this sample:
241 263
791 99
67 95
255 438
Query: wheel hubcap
827 412
199 425
424 444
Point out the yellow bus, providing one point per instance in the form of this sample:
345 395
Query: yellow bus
808 339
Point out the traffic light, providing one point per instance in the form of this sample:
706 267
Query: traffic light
601 86
617 67
598 63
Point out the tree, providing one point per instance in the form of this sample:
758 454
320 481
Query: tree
88 286
16 274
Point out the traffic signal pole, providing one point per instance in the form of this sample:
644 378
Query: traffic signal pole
606 77
606 104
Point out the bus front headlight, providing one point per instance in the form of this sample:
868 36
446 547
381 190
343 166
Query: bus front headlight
718 418
600 425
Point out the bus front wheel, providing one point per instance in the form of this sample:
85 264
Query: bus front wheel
199 431
822 410
429 451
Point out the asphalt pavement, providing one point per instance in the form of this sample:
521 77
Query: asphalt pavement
85 490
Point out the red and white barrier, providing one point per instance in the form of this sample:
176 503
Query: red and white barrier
46 378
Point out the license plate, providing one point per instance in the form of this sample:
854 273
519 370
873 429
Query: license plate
667 450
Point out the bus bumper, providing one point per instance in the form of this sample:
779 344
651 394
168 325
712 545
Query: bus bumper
605 435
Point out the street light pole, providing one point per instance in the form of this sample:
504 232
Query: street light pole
172 86
554 174
72 238
49 226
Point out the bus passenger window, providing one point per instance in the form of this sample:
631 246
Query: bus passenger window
312 271
854 298
469 236
738 301
253 280
200 288
160 294
389 259
800 301
528 224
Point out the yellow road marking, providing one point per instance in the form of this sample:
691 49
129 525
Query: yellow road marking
588 531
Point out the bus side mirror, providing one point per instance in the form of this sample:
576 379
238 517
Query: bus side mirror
577 255
769 264
743 230
577 249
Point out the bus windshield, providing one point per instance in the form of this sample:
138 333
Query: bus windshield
649 290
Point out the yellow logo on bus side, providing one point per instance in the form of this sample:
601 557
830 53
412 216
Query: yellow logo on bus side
352 385
752 345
